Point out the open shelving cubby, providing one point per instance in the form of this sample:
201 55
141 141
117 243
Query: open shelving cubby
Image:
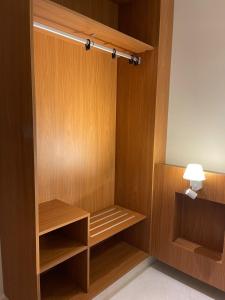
110 260
193 230
64 249
63 244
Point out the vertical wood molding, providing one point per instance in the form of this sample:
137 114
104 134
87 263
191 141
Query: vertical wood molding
17 186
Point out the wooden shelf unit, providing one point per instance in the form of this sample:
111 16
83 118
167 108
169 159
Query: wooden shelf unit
57 248
110 261
55 214
56 16
63 233
67 280
110 221
84 128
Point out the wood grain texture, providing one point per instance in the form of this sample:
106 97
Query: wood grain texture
64 282
109 222
17 182
142 109
54 214
134 142
193 222
163 79
56 248
197 246
199 249
142 21
49 13
76 120
103 11
109 263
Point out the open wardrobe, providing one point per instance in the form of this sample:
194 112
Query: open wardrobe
83 123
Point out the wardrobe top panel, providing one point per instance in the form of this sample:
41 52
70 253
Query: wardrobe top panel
59 17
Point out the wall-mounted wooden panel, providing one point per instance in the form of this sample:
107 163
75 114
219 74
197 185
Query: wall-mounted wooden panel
76 119
17 180
189 234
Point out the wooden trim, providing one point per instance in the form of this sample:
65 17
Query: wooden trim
17 192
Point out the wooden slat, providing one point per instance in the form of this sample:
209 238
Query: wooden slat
59 17
56 248
55 214
111 221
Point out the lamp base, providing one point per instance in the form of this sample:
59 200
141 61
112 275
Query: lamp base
196 185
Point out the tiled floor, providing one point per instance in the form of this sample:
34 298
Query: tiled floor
160 282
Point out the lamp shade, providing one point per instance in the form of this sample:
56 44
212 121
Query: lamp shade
194 172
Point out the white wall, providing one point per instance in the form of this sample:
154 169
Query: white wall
196 128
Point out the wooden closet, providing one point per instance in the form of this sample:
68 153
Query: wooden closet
80 134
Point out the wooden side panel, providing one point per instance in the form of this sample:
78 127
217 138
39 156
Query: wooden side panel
163 79
142 109
76 120
134 143
104 11
190 238
142 21
17 183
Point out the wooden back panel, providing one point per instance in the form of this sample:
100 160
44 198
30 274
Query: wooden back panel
104 11
76 120
17 182
189 234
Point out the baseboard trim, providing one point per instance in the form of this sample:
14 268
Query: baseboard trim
123 281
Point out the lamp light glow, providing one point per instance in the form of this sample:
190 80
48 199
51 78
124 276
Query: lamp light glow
194 173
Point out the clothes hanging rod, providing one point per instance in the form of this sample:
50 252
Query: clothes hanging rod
135 60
